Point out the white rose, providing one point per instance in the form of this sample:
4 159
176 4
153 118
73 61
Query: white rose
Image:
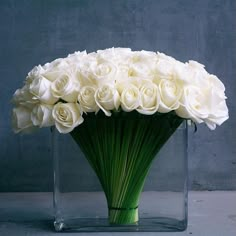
102 73
140 70
107 98
205 103
54 69
41 115
164 70
40 88
21 119
116 55
192 74
142 64
163 56
67 116
145 57
218 111
76 57
196 65
149 98
216 84
164 67
24 97
125 75
130 97
37 71
87 100
65 87
193 104
170 93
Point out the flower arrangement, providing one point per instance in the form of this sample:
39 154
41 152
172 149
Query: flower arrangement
120 106
60 92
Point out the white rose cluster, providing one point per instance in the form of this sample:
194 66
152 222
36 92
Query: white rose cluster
61 92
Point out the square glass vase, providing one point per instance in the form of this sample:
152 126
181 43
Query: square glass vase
80 203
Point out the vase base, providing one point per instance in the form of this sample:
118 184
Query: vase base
101 225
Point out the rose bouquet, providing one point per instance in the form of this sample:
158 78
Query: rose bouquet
120 106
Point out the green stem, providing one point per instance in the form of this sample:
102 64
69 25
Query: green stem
121 149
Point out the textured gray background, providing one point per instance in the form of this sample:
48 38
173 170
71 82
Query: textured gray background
34 32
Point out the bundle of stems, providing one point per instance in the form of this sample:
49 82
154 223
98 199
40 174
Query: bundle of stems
120 149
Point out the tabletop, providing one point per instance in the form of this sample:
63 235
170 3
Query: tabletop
210 213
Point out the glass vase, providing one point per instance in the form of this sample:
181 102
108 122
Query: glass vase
127 172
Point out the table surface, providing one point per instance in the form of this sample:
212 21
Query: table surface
210 213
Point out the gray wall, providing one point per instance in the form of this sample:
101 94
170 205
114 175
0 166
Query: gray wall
34 32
